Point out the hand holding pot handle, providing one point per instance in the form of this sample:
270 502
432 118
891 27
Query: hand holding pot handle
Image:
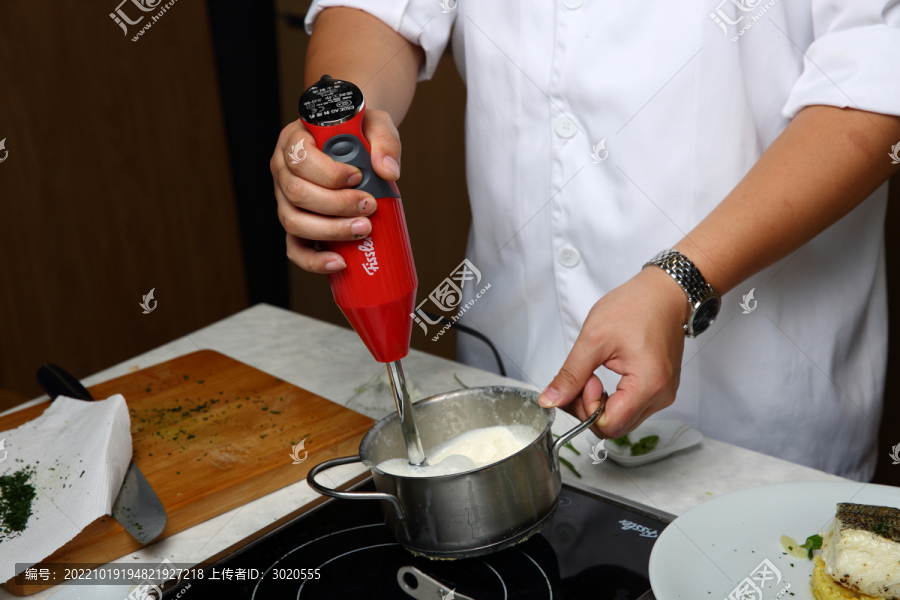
566 437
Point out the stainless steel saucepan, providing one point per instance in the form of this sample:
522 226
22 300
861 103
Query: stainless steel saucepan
476 512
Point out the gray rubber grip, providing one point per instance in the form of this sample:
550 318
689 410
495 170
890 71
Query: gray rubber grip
348 149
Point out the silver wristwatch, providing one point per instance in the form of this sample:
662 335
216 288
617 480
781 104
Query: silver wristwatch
705 303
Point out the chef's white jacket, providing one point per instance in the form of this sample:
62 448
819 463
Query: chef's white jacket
599 132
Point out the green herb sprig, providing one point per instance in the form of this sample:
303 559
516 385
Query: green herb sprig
813 542
642 446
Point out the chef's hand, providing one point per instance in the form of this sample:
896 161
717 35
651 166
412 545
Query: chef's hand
637 331
313 202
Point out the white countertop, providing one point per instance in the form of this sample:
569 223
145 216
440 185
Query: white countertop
333 363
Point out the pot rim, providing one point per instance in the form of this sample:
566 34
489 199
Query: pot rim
527 393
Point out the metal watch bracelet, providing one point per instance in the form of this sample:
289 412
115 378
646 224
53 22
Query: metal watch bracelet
703 300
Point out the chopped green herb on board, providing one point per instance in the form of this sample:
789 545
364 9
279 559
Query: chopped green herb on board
15 503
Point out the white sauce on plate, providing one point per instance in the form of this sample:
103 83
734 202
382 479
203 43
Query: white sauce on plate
465 452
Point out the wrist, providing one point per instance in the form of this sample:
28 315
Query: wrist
672 298
714 276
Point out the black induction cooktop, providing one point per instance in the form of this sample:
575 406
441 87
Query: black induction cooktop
597 546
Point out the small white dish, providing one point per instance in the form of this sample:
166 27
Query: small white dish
673 436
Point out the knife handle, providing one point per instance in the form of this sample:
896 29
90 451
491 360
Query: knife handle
56 381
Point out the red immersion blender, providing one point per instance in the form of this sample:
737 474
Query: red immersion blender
377 290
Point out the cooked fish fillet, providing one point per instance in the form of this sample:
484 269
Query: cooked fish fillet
826 588
861 549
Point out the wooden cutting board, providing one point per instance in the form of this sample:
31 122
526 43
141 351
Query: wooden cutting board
210 434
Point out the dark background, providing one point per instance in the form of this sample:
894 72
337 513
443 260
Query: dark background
139 165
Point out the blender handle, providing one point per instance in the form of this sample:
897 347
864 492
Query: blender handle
346 460
566 437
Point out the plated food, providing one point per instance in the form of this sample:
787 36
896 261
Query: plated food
860 554
718 548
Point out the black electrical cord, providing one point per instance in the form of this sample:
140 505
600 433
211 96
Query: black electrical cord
472 332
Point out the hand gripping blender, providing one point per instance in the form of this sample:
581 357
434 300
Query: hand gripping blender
377 290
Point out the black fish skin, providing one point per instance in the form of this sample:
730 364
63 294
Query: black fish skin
880 520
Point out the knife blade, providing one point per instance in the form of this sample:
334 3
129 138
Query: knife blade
137 507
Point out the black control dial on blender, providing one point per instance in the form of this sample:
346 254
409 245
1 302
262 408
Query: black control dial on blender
330 102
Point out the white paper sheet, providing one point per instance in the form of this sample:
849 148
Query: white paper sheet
79 452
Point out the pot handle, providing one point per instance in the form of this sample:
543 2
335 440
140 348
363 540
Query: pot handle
336 462
566 437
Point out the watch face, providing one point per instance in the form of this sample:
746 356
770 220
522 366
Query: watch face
706 314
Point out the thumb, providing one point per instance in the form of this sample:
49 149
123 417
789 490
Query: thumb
572 377
379 129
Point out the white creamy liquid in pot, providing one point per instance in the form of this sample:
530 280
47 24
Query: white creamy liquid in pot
467 451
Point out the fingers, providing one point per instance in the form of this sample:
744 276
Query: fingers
296 152
588 402
384 138
590 397
625 410
636 399
313 226
315 198
578 410
311 190
303 254
586 355
316 182
626 333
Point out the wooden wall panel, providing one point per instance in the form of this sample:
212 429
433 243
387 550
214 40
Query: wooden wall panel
116 182
433 181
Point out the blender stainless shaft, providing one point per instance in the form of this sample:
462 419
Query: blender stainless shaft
404 409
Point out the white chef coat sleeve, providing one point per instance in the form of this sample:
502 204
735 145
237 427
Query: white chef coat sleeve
421 22
853 60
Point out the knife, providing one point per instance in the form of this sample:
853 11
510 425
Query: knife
137 507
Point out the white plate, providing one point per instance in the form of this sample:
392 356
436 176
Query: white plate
709 550
673 436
